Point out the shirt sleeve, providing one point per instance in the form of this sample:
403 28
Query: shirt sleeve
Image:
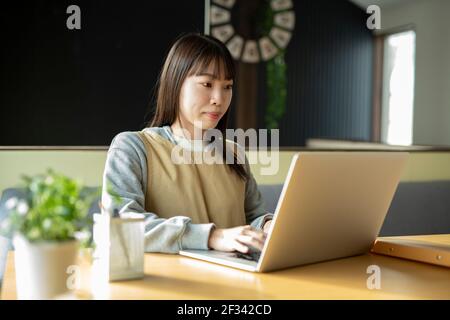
125 177
255 211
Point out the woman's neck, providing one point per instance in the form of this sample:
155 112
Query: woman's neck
188 132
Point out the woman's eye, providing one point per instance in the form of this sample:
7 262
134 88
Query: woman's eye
229 87
207 84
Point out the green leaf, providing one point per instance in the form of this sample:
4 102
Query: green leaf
57 208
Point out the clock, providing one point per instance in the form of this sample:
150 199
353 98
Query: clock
253 50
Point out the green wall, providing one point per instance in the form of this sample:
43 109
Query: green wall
88 166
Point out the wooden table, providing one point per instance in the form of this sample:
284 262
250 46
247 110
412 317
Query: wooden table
176 277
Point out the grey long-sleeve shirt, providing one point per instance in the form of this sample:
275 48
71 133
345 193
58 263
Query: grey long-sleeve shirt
126 175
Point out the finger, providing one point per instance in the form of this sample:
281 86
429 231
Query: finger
259 234
240 247
248 230
245 229
251 241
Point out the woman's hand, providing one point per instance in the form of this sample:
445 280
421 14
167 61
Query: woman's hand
236 239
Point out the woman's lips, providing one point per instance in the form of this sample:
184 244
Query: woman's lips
213 115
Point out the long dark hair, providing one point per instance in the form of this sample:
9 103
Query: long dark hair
191 54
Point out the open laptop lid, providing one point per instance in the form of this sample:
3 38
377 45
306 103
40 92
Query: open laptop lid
332 205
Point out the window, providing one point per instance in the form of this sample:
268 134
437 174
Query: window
398 88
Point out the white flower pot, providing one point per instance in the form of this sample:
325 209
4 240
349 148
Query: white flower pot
42 268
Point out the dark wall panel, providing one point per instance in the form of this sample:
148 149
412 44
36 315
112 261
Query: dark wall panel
66 87
81 87
329 73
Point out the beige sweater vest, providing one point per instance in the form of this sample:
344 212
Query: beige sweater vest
206 193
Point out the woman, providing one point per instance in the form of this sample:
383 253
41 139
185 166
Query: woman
197 205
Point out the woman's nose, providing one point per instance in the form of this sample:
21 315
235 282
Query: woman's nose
217 98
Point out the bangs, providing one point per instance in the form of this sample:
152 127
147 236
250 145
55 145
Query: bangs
223 68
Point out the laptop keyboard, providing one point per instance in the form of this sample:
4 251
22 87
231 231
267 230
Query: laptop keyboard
252 256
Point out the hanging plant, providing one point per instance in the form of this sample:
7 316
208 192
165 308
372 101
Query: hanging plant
276 91
276 21
276 77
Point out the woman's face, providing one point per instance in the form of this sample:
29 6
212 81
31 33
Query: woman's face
204 99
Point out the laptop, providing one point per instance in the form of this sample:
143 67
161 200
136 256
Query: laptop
332 206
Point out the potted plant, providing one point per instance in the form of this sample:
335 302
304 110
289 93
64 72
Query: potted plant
48 225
